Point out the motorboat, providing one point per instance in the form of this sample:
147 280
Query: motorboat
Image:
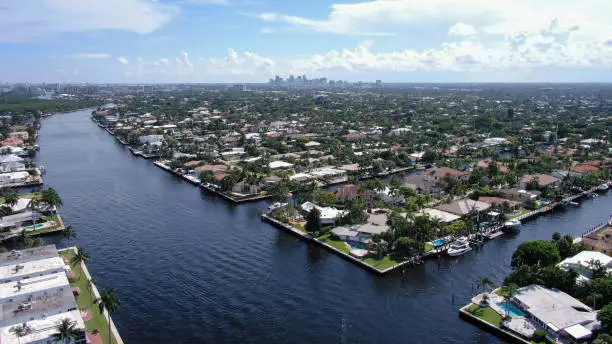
512 224
603 187
459 247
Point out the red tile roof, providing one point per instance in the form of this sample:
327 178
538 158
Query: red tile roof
582 168
543 179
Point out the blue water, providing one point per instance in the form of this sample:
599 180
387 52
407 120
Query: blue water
190 267
357 245
513 311
439 242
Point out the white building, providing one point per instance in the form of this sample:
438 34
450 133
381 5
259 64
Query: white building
35 293
584 263
329 215
13 178
276 165
11 163
557 312
151 139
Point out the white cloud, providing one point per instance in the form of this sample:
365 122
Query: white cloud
34 20
462 29
90 56
267 30
123 60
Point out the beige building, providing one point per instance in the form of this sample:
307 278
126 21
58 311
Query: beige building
600 240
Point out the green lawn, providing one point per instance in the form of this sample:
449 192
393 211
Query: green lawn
520 213
299 227
34 195
485 313
340 245
54 217
84 300
382 264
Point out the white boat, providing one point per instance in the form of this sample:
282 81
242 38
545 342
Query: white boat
512 224
603 187
459 247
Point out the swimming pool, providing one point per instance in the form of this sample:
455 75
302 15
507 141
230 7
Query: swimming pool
513 311
439 242
33 228
357 245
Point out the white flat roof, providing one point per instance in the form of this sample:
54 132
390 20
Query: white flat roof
41 329
32 267
279 164
33 285
583 258
441 215
578 331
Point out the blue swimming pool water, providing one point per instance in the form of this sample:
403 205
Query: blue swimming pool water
357 245
513 311
439 242
32 228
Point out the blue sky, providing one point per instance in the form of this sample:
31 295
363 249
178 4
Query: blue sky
252 40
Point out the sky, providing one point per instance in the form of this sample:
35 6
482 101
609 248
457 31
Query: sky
156 41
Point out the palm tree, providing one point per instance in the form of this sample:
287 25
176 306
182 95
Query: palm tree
51 197
20 331
110 302
11 200
80 257
66 331
68 233
508 291
483 282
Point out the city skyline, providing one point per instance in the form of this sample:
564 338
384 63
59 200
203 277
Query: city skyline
235 41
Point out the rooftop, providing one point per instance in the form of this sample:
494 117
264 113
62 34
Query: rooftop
40 329
19 311
29 254
22 288
554 308
15 271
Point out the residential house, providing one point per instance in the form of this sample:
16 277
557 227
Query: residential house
19 135
329 215
600 240
11 141
351 192
439 215
150 139
422 184
11 163
363 233
497 201
439 173
464 207
485 164
544 180
234 153
583 169
279 165
519 195
13 178
585 262
561 315
244 188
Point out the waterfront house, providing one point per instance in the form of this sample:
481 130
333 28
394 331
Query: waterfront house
499 202
422 184
363 233
150 139
439 173
442 216
11 141
329 215
19 220
246 189
544 180
11 163
519 195
19 135
583 169
600 240
585 262
561 315
464 206
13 178
351 192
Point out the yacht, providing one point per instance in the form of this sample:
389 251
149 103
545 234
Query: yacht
512 224
459 247
603 187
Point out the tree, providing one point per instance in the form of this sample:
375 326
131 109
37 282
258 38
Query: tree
90 285
508 291
483 282
536 252
109 302
605 316
51 197
66 331
81 256
603 338
324 198
405 247
313 220
68 233
20 331
11 200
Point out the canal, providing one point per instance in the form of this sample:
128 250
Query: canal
192 268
